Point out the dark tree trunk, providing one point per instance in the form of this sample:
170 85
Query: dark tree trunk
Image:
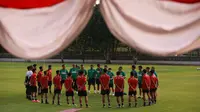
107 56
62 57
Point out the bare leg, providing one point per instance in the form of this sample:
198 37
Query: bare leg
108 100
80 101
86 101
59 99
118 101
122 101
46 98
42 97
144 99
67 100
73 100
135 98
140 91
149 98
89 88
103 100
53 98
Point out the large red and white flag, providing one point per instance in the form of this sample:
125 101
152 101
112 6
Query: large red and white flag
35 29
159 27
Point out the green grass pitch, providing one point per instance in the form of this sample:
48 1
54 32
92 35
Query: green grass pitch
178 92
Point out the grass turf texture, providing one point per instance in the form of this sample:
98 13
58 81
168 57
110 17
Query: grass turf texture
178 92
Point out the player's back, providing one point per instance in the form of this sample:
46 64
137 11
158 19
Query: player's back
146 81
68 84
119 81
57 82
49 74
33 79
105 79
39 76
81 80
44 81
154 81
133 83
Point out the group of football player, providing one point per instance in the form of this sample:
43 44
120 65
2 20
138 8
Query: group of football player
103 80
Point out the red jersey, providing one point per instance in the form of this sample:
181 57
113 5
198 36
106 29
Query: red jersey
154 81
68 84
57 82
49 74
146 81
39 76
133 82
81 81
33 79
44 82
105 80
119 84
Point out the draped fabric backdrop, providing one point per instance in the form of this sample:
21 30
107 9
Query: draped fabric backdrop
35 29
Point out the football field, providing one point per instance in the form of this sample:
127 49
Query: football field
178 92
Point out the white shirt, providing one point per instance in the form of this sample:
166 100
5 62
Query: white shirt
29 73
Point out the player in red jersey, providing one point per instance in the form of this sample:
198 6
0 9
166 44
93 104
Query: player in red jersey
44 87
69 88
33 81
119 89
39 76
146 83
81 81
132 82
49 74
105 90
57 87
154 86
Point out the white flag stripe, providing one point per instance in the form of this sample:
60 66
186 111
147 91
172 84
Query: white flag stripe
41 33
151 38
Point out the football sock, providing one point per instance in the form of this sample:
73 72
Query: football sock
86 105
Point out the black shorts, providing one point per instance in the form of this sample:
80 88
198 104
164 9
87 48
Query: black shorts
111 85
39 84
62 81
145 91
132 93
117 94
69 93
57 91
98 81
105 92
91 81
49 83
33 89
139 85
82 93
153 90
44 90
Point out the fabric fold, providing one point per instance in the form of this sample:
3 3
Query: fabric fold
43 32
148 28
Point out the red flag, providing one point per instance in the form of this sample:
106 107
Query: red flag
26 4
